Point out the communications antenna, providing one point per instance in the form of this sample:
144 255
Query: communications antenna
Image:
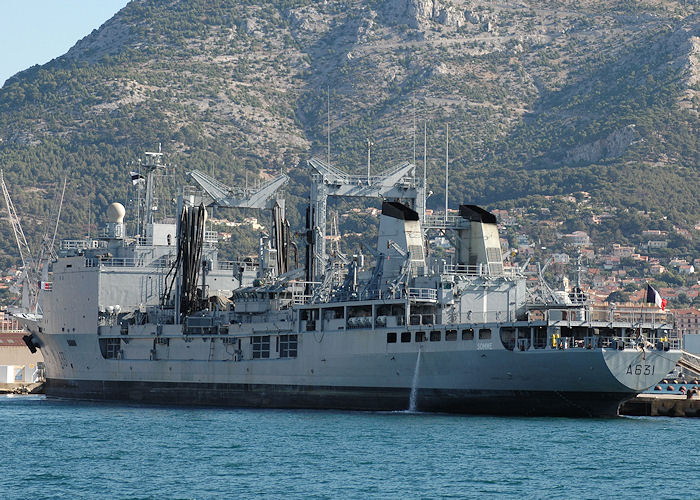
369 152
425 166
48 239
414 133
447 168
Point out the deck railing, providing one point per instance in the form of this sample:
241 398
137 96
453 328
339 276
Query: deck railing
479 270
126 262
442 222
228 265
429 294
299 291
641 315
632 342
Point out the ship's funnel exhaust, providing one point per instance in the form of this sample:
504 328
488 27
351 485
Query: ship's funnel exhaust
400 235
478 244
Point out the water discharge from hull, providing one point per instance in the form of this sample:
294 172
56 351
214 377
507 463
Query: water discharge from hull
412 402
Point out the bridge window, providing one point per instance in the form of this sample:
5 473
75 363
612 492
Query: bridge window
288 346
435 336
420 336
468 334
405 337
451 335
261 346
391 337
484 333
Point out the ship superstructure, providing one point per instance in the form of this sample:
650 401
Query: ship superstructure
163 320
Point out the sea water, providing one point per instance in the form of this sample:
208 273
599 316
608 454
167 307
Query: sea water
59 449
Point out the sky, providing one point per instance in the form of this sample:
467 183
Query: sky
36 31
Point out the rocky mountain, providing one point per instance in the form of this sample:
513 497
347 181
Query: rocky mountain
541 97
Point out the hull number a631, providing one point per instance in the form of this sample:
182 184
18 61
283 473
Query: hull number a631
640 370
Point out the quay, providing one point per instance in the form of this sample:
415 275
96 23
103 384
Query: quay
21 388
671 398
662 405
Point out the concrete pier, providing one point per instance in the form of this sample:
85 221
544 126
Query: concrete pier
662 405
20 388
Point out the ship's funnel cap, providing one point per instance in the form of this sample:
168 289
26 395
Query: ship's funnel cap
476 214
398 211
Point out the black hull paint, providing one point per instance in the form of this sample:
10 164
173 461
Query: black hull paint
523 403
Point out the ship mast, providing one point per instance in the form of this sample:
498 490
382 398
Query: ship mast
425 167
447 169
152 164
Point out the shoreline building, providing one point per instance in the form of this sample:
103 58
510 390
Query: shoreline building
688 327
18 366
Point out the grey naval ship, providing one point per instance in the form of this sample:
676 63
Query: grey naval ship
158 318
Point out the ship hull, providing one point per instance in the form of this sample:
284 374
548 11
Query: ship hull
492 402
355 370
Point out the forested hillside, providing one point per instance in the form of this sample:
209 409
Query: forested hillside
541 97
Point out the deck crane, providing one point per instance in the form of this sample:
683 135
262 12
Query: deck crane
48 239
398 183
220 195
32 265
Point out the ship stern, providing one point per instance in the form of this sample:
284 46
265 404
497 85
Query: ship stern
639 369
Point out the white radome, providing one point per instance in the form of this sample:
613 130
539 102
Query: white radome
115 213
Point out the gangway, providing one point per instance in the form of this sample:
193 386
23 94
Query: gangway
690 362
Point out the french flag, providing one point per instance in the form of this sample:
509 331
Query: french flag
653 297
